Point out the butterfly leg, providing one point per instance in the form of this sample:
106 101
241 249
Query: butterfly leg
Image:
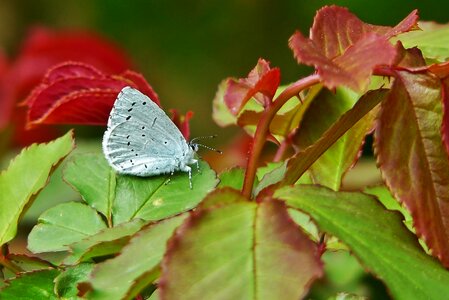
190 177
198 166
187 169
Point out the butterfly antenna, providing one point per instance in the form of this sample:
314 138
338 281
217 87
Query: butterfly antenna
203 137
210 148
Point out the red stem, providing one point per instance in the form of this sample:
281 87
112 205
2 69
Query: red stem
5 262
263 126
281 150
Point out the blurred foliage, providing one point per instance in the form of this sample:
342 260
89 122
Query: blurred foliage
185 48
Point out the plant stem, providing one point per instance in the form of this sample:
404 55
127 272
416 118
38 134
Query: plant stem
5 262
264 124
281 150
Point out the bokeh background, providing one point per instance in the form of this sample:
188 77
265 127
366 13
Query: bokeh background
184 49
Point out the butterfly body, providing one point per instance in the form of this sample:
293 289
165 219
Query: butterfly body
141 139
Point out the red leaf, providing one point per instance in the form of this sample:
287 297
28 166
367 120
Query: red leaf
182 122
261 83
344 50
69 88
143 85
351 69
335 29
41 50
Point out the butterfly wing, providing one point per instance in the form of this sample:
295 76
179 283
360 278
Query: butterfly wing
141 139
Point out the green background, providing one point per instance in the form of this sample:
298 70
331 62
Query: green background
185 48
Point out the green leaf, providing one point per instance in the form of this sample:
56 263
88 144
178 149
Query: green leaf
383 194
432 40
28 263
329 169
270 174
376 236
128 197
62 225
276 174
412 157
106 242
113 278
268 168
159 197
66 283
32 285
260 253
232 178
301 161
92 177
220 112
343 272
26 175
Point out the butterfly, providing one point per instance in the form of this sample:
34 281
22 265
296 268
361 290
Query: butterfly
141 139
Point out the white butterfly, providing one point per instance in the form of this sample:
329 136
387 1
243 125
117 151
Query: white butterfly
141 139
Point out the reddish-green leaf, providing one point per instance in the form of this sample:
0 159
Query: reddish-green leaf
344 50
299 163
261 83
376 236
412 157
445 126
330 168
113 278
220 112
261 253
336 28
353 68
432 40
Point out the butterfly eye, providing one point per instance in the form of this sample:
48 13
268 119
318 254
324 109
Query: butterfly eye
194 147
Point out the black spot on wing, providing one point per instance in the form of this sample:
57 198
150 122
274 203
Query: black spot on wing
128 117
